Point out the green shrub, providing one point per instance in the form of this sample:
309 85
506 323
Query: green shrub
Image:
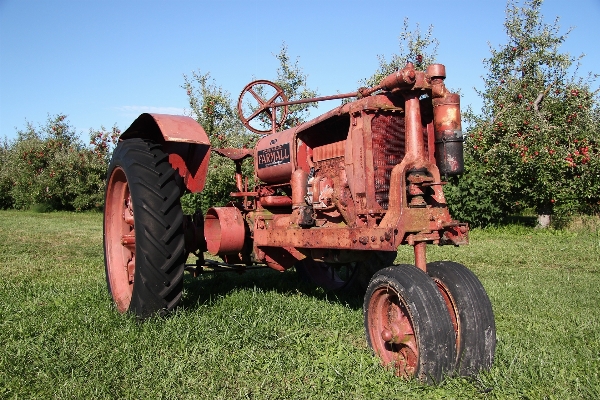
49 168
474 197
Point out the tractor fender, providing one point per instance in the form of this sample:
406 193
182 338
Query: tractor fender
182 138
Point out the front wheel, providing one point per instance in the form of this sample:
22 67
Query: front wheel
408 325
144 251
471 313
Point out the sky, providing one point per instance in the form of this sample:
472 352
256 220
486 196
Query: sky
104 62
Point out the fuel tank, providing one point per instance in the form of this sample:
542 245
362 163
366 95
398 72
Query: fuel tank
275 157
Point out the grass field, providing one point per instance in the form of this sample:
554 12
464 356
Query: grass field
265 335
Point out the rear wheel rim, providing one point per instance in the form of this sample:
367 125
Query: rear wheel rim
392 332
120 239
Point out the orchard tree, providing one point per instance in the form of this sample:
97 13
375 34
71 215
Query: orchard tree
415 46
216 112
6 182
293 81
49 168
537 137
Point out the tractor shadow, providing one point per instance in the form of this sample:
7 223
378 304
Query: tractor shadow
212 285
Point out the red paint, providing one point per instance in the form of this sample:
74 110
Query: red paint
365 176
182 138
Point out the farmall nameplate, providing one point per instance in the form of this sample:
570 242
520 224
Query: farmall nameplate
273 156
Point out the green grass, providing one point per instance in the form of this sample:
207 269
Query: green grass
264 335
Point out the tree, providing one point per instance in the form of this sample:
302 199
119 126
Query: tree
48 167
6 183
537 135
293 81
415 46
216 112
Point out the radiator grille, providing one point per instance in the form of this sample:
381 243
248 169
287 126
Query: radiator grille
388 150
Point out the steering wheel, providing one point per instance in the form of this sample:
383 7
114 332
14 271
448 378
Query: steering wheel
258 101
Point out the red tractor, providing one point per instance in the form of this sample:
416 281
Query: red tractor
334 197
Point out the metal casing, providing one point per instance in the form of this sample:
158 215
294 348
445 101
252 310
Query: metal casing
224 230
448 135
275 157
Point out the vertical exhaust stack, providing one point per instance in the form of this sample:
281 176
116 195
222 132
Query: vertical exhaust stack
447 126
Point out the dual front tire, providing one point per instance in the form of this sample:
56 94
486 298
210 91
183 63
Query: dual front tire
429 325
471 314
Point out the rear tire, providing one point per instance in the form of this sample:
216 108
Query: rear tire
471 313
144 251
408 325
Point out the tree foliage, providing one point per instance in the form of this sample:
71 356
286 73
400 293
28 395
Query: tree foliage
216 112
48 167
293 81
415 46
537 136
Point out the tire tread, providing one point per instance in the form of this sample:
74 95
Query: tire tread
475 314
160 248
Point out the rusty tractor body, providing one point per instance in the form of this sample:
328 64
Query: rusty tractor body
334 197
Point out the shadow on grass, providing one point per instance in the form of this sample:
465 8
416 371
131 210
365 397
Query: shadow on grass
523 220
209 286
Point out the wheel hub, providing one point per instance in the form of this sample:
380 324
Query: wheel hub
397 345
